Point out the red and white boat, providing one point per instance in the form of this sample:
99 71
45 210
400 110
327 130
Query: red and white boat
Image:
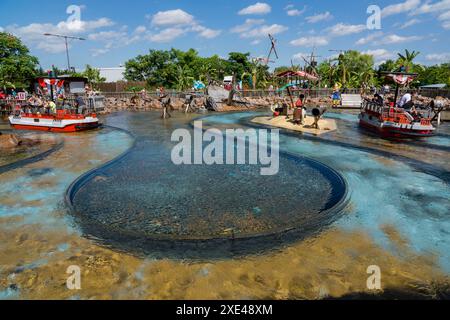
394 122
390 121
63 121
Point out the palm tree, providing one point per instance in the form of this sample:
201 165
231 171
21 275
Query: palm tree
207 72
184 80
407 59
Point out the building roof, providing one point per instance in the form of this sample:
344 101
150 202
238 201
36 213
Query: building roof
435 86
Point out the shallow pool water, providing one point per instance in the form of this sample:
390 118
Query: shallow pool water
396 215
144 197
384 192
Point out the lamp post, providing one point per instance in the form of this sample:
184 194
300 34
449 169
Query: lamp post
66 42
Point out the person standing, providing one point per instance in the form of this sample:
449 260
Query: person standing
406 100
80 104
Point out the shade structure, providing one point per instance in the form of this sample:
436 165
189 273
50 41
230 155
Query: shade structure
400 78
297 74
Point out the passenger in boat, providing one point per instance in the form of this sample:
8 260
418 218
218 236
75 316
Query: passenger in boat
415 114
407 100
51 107
80 104
378 99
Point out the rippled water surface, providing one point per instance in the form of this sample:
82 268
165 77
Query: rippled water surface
396 216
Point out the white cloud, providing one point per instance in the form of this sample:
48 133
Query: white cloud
99 52
255 42
174 24
292 12
253 28
398 8
379 38
310 41
206 32
256 9
342 29
319 17
444 16
114 39
299 56
248 25
33 34
380 55
429 7
370 38
106 35
140 29
176 17
438 57
394 39
409 23
167 35
264 30
442 8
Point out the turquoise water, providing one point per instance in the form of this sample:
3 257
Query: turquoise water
146 197
410 195
37 194
383 192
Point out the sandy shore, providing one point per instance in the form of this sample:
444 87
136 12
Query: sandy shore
326 125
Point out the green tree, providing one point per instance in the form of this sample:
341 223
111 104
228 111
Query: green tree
93 76
156 68
238 64
352 64
17 66
184 79
407 59
388 66
435 75
328 72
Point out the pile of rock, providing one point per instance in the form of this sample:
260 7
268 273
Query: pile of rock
138 104
9 141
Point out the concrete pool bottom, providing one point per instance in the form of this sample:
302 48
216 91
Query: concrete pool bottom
331 264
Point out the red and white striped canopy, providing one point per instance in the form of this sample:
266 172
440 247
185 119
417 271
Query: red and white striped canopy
297 74
401 79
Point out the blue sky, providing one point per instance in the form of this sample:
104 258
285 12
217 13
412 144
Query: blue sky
119 30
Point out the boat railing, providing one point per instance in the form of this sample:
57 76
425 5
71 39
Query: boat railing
372 106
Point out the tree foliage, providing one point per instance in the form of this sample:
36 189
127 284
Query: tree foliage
178 69
17 66
350 69
93 76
